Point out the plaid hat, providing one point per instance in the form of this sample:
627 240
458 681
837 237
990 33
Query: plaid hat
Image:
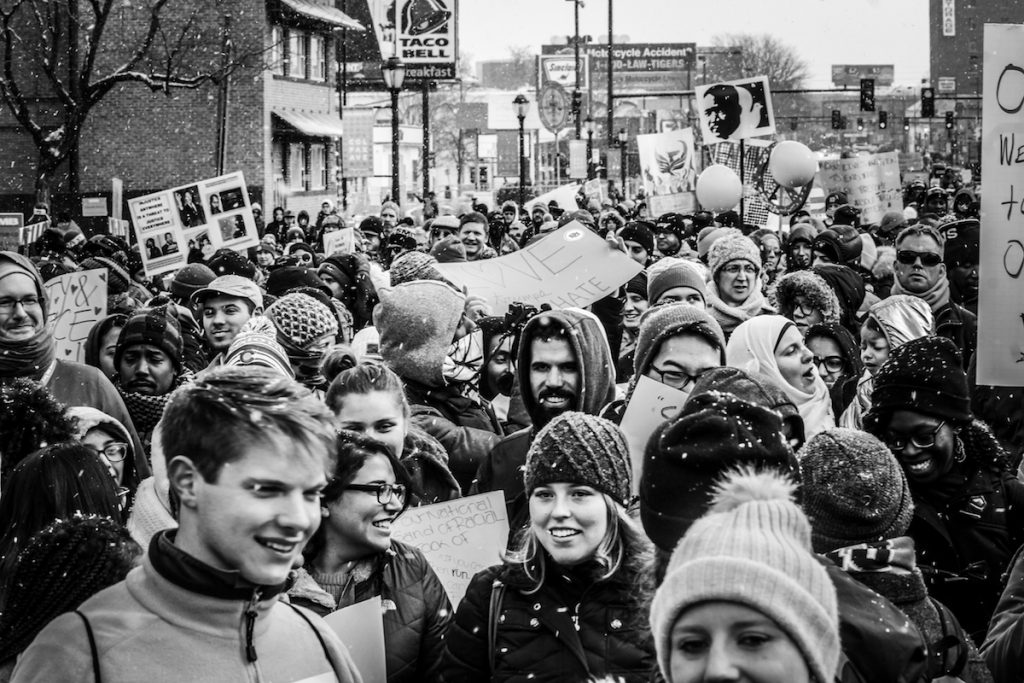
679 274
854 490
414 265
256 344
581 449
640 232
157 327
231 285
190 280
732 247
301 320
753 548
230 262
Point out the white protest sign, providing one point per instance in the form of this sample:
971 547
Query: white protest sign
205 215
1001 295
650 404
459 537
77 301
570 267
668 167
564 196
361 628
340 240
871 183
735 110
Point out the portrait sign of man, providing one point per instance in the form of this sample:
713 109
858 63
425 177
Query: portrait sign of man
736 110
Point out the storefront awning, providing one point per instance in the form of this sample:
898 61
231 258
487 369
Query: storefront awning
327 15
314 125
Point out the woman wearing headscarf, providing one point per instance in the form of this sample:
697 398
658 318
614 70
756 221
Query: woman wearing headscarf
734 292
773 346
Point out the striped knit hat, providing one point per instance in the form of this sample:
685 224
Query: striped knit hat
301 320
256 344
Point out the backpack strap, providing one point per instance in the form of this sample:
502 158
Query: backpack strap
92 647
953 637
493 614
316 631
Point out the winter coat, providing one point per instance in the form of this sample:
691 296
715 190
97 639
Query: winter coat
416 609
956 323
1004 645
426 462
568 631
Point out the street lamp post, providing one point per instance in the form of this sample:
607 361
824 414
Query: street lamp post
522 106
394 75
591 126
623 138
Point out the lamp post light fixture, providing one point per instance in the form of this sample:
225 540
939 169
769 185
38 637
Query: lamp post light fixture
393 71
623 139
591 125
522 105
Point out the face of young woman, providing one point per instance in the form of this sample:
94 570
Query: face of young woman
795 361
923 464
569 520
725 641
377 414
358 523
632 310
826 350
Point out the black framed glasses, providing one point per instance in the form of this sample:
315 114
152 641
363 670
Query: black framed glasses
830 363
385 492
114 452
919 440
677 379
907 257
8 305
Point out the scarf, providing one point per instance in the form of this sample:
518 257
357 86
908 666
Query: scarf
936 297
28 358
730 317
146 410
894 556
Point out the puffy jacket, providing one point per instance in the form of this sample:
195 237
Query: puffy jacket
566 635
416 616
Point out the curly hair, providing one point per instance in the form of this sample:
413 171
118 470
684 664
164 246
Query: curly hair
30 418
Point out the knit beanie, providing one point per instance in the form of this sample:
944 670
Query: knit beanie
283 280
638 285
680 274
925 375
190 280
841 243
661 322
756 389
371 225
582 449
229 262
732 247
417 322
685 455
449 250
301 320
640 232
962 242
414 265
157 327
118 279
812 287
854 490
891 223
256 344
753 548
848 287
709 235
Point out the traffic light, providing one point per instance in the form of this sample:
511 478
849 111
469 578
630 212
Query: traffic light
883 119
949 120
860 124
906 125
837 119
927 102
792 124
867 94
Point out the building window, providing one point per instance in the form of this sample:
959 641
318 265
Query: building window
296 166
298 47
317 58
317 166
277 50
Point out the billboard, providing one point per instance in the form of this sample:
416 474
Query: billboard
849 75
421 32
637 67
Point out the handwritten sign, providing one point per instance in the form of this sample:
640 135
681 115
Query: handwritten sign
871 183
571 267
339 241
361 628
77 302
1001 295
459 537
651 404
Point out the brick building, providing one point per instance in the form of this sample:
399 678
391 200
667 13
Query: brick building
956 29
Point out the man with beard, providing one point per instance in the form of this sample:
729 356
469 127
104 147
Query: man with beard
563 363
669 231
499 364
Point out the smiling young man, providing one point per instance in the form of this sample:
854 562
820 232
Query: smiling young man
248 453
473 233
226 304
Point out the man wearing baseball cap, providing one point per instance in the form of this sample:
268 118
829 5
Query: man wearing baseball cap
226 305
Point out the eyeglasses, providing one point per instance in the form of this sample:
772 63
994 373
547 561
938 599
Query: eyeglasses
908 257
737 268
385 492
8 305
677 379
114 452
919 440
831 363
805 309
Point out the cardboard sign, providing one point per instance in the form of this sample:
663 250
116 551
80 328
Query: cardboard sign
651 404
735 110
1001 296
669 170
460 537
207 215
77 302
361 628
571 267
339 241
871 183
11 225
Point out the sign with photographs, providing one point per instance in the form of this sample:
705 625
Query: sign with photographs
735 110
206 215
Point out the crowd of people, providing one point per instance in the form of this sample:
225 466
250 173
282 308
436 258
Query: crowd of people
837 499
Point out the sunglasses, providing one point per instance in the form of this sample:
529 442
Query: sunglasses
908 257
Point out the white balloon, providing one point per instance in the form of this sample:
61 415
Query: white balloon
792 164
719 188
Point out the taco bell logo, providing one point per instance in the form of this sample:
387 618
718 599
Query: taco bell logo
423 17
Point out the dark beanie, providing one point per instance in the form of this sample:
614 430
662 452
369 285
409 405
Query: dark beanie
285 279
638 285
669 320
848 287
925 375
580 449
230 262
841 243
686 456
157 327
190 280
118 280
963 244
854 490
640 232
371 225
449 250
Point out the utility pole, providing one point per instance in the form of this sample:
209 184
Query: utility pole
577 96
610 124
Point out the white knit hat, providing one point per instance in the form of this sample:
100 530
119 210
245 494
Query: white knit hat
732 248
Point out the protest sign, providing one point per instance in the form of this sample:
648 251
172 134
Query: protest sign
564 196
10 231
669 171
570 267
77 302
871 183
1001 295
361 628
207 215
459 537
735 110
339 241
650 404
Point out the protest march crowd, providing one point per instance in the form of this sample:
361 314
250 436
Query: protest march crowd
833 498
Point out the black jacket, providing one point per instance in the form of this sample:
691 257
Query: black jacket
1004 643
956 323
